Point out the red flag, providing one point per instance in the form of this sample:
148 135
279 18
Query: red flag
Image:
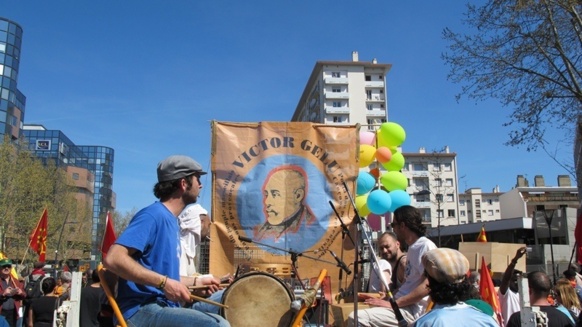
482 236
488 293
578 237
38 237
109 235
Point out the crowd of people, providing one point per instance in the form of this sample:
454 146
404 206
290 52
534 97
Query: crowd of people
158 284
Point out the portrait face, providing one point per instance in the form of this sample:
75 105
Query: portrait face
388 248
283 194
205 223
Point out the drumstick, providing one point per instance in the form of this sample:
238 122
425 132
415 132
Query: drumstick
201 299
199 287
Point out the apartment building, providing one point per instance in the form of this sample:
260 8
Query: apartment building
476 206
12 101
345 92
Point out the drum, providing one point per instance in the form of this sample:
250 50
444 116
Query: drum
258 299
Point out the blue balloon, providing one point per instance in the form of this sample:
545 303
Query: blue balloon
365 183
399 198
379 202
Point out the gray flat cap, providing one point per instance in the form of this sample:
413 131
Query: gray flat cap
176 167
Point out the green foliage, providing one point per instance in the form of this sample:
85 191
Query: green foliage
26 188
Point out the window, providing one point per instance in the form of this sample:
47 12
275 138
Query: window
449 182
336 89
368 94
370 106
439 197
490 213
447 167
337 104
381 91
76 176
477 203
450 197
440 213
380 77
335 74
490 201
462 202
438 182
419 167
368 78
436 167
463 214
451 213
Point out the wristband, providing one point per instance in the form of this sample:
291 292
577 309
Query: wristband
194 283
162 283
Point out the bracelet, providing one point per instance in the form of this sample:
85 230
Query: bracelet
195 278
162 283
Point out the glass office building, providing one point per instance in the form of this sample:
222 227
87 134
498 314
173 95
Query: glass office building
55 146
12 101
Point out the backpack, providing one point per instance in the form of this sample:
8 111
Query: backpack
32 289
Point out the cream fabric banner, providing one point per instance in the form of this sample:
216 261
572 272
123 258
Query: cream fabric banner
273 183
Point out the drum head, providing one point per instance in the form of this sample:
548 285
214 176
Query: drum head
258 299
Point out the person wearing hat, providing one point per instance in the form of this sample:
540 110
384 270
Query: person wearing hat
447 272
11 292
412 296
146 256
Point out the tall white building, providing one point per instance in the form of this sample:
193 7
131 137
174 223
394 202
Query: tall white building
345 92
476 206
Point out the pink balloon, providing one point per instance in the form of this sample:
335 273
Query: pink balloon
368 138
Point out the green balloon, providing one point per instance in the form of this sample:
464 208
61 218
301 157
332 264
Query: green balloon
391 134
394 180
396 162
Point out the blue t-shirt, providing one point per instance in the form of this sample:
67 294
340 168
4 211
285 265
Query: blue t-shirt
155 234
455 315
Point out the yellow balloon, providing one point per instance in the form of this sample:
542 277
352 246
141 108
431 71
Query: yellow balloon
367 155
396 162
361 205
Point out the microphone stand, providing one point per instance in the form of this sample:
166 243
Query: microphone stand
397 313
345 231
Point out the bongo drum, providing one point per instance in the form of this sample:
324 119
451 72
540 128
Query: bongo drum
258 299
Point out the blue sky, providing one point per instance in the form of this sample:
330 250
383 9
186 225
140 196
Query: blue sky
147 77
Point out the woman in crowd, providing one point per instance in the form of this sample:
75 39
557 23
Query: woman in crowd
42 309
566 296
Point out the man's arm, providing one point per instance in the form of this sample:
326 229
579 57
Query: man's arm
509 271
415 296
120 262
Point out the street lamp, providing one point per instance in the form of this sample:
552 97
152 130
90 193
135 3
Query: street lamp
439 202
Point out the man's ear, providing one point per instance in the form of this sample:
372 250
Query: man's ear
299 194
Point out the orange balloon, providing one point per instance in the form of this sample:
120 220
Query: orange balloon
383 154
375 172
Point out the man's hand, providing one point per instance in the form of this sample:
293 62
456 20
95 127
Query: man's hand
520 253
176 291
378 303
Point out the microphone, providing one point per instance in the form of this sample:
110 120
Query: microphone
340 263
245 239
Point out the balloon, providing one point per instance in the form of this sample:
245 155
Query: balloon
392 134
399 198
368 138
383 154
367 153
361 205
375 172
379 202
396 163
394 180
365 183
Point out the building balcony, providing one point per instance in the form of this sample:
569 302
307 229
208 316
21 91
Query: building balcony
376 113
374 84
375 98
337 95
336 80
422 204
337 110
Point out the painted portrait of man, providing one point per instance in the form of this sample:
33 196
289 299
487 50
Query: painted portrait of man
284 202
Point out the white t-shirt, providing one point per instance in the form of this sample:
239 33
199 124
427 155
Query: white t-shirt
375 284
415 272
509 304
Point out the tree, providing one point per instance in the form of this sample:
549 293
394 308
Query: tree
528 55
122 219
27 186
